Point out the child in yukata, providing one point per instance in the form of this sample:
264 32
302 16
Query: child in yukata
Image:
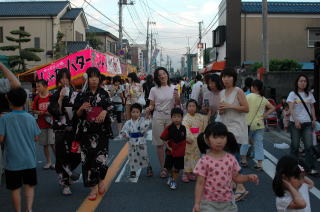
134 130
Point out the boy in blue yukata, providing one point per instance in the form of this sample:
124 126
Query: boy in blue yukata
134 130
19 131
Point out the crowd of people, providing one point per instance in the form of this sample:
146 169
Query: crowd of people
202 129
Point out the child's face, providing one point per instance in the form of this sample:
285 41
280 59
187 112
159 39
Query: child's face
192 108
217 142
40 88
296 182
135 113
176 119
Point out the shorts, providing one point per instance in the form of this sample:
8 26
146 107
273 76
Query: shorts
46 137
15 179
174 162
158 126
210 206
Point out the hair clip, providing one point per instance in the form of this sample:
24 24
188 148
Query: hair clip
301 168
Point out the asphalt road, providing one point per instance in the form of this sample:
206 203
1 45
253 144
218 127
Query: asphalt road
152 193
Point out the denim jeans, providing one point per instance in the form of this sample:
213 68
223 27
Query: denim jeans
304 133
257 138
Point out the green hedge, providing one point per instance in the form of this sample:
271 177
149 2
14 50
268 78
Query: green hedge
278 65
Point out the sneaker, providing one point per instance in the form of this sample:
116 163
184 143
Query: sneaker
173 185
133 175
169 180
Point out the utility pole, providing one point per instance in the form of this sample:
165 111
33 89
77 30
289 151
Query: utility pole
121 3
200 29
147 45
265 38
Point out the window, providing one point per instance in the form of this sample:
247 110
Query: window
313 36
36 42
79 36
21 28
1 34
219 36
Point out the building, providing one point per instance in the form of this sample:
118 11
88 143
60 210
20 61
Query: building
293 28
137 52
109 41
43 20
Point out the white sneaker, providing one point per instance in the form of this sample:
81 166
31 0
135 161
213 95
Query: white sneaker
173 185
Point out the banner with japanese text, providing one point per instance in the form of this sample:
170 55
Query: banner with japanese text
78 63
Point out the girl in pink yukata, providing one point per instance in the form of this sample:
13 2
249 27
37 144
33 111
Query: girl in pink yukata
216 170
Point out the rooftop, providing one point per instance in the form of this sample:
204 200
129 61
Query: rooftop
32 8
72 14
283 7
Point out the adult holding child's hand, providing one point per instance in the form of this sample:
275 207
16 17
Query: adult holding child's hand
163 98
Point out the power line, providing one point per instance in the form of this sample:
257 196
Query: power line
101 13
166 17
137 15
134 21
158 5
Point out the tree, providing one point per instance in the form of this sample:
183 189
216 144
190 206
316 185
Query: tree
24 54
94 42
60 47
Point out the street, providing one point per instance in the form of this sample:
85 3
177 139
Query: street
151 193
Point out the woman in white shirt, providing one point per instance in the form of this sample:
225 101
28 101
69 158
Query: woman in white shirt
163 97
302 120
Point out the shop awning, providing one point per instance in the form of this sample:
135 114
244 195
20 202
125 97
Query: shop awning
215 66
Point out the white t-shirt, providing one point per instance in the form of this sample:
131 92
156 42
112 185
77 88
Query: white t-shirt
282 203
163 99
196 89
299 110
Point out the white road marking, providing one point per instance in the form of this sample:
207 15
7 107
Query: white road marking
277 134
269 166
122 172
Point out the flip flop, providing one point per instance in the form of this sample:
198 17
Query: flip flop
46 167
92 196
241 195
163 173
102 189
66 191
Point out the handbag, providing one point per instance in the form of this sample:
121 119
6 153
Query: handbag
141 100
255 115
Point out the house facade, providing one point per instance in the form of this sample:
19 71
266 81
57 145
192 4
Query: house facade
293 28
109 41
43 20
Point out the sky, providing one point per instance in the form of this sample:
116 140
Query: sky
176 22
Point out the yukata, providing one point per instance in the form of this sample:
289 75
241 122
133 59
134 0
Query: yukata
195 125
135 132
93 137
63 127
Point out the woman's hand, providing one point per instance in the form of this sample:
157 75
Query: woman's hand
85 106
297 124
287 184
253 178
101 117
224 105
63 93
314 124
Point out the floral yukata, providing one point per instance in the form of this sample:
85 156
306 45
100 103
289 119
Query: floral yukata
94 136
135 132
195 125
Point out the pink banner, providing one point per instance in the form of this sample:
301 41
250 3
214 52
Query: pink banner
78 63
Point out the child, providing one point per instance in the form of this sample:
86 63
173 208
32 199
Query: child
40 107
175 139
195 124
216 170
135 130
19 131
291 186
286 116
